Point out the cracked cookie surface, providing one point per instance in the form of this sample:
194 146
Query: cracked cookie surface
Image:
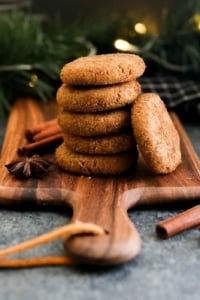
103 69
155 133
97 99
85 164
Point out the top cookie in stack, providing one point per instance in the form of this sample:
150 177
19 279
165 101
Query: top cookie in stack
103 69
94 101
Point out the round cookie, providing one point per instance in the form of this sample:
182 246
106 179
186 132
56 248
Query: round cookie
94 164
92 124
97 99
155 133
103 69
109 144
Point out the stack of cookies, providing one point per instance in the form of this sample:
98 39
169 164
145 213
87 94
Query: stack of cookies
94 103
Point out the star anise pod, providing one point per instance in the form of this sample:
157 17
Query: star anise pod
25 167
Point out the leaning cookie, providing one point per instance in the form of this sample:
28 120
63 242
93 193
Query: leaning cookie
154 131
96 99
92 124
109 144
103 69
84 164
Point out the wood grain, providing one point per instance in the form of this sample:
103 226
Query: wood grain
101 200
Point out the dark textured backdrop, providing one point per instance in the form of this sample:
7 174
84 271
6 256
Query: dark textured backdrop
151 12
143 10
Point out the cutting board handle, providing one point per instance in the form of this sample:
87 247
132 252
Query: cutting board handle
121 242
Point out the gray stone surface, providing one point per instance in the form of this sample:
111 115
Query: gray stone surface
164 270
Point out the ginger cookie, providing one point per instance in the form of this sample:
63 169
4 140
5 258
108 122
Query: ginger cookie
96 99
103 69
94 164
109 144
155 133
92 124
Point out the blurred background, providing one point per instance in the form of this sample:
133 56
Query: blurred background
43 35
150 12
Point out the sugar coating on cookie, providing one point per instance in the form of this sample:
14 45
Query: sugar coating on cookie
103 69
93 124
97 99
108 144
78 163
155 133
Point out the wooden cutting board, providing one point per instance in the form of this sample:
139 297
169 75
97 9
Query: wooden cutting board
101 200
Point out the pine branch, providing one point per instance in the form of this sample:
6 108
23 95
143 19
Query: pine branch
32 53
33 49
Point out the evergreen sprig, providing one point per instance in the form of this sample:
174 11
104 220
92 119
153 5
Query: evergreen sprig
175 48
33 50
32 53
179 41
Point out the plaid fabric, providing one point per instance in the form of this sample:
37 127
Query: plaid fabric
181 94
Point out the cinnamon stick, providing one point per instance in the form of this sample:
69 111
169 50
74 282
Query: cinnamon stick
44 145
30 132
176 224
51 131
